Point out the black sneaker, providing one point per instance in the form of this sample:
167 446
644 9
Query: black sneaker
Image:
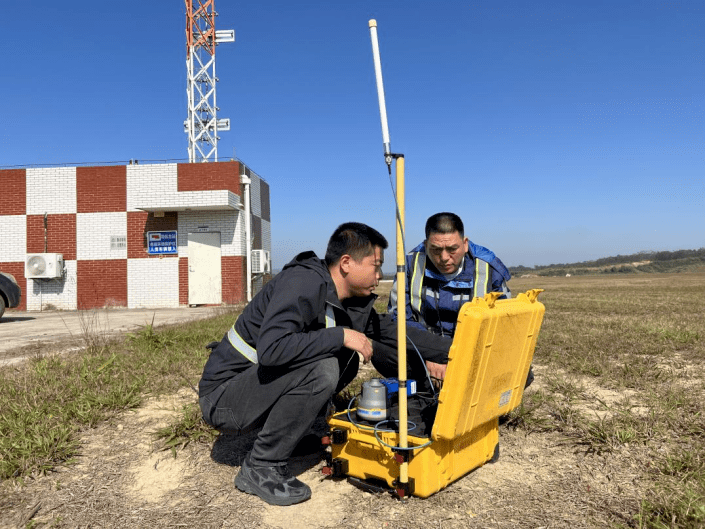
274 484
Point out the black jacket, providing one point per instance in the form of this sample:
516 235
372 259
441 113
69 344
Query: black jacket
286 324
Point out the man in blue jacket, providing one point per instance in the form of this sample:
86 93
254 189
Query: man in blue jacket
294 345
443 272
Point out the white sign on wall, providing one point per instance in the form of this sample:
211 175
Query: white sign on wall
118 242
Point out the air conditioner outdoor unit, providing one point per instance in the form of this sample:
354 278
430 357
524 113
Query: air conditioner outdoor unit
44 266
260 261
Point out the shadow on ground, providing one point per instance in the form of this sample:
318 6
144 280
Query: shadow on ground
231 449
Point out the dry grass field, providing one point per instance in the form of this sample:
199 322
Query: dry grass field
611 434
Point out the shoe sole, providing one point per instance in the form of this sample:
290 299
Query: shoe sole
244 486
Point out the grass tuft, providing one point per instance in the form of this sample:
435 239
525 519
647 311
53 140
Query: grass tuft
188 427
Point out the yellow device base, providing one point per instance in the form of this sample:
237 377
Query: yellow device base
488 363
430 468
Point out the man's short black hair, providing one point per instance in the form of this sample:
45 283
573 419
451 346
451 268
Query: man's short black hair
444 222
354 239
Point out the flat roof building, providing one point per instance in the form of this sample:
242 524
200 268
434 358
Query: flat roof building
136 235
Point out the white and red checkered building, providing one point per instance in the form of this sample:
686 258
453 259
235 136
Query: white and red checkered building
98 219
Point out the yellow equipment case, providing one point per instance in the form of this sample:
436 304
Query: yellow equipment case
488 363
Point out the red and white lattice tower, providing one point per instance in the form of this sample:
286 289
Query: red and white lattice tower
202 125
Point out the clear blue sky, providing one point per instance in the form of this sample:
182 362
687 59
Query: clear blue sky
559 131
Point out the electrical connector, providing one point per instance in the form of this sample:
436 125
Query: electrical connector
392 385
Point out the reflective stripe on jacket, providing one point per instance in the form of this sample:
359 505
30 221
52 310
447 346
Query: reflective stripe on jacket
433 301
249 352
416 290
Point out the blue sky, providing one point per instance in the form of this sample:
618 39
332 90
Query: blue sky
559 131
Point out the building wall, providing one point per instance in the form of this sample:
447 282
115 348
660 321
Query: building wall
158 186
95 217
234 277
153 283
53 294
266 228
57 236
103 283
261 227
214 177
13 237
97 235
101 189
254 195
139 223
14 192
229 224
51 191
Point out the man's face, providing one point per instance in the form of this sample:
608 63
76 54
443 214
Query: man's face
446 251
364 275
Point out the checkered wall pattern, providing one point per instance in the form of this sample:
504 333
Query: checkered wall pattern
98 218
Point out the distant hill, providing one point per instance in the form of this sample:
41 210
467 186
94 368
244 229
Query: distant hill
678 261
643 262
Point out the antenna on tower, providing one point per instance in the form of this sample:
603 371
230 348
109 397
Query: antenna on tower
202 125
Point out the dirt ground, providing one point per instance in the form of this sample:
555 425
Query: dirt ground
122 480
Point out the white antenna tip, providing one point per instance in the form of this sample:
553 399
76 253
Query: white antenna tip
373 23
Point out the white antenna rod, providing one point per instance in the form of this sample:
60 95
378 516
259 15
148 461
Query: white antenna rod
403 483
380 95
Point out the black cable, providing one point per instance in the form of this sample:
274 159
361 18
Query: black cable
423 364
398 215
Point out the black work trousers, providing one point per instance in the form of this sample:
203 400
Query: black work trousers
284 404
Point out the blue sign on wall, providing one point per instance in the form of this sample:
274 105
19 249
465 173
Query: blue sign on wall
161 243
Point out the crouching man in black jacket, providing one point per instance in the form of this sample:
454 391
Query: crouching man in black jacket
295 345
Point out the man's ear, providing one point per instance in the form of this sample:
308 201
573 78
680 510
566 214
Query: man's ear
465 245
344 263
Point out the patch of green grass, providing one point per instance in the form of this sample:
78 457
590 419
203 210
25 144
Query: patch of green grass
677 499
149 339
188 427
570 388
46 402
683 463
49 400
604 435
682 336
637 371
543 411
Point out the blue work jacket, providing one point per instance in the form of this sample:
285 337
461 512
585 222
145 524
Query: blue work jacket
433 302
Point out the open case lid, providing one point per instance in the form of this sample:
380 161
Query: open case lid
488 361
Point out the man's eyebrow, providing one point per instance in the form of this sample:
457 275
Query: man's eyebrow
435 246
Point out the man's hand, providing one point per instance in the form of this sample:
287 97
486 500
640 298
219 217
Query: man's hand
358 342
437 371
